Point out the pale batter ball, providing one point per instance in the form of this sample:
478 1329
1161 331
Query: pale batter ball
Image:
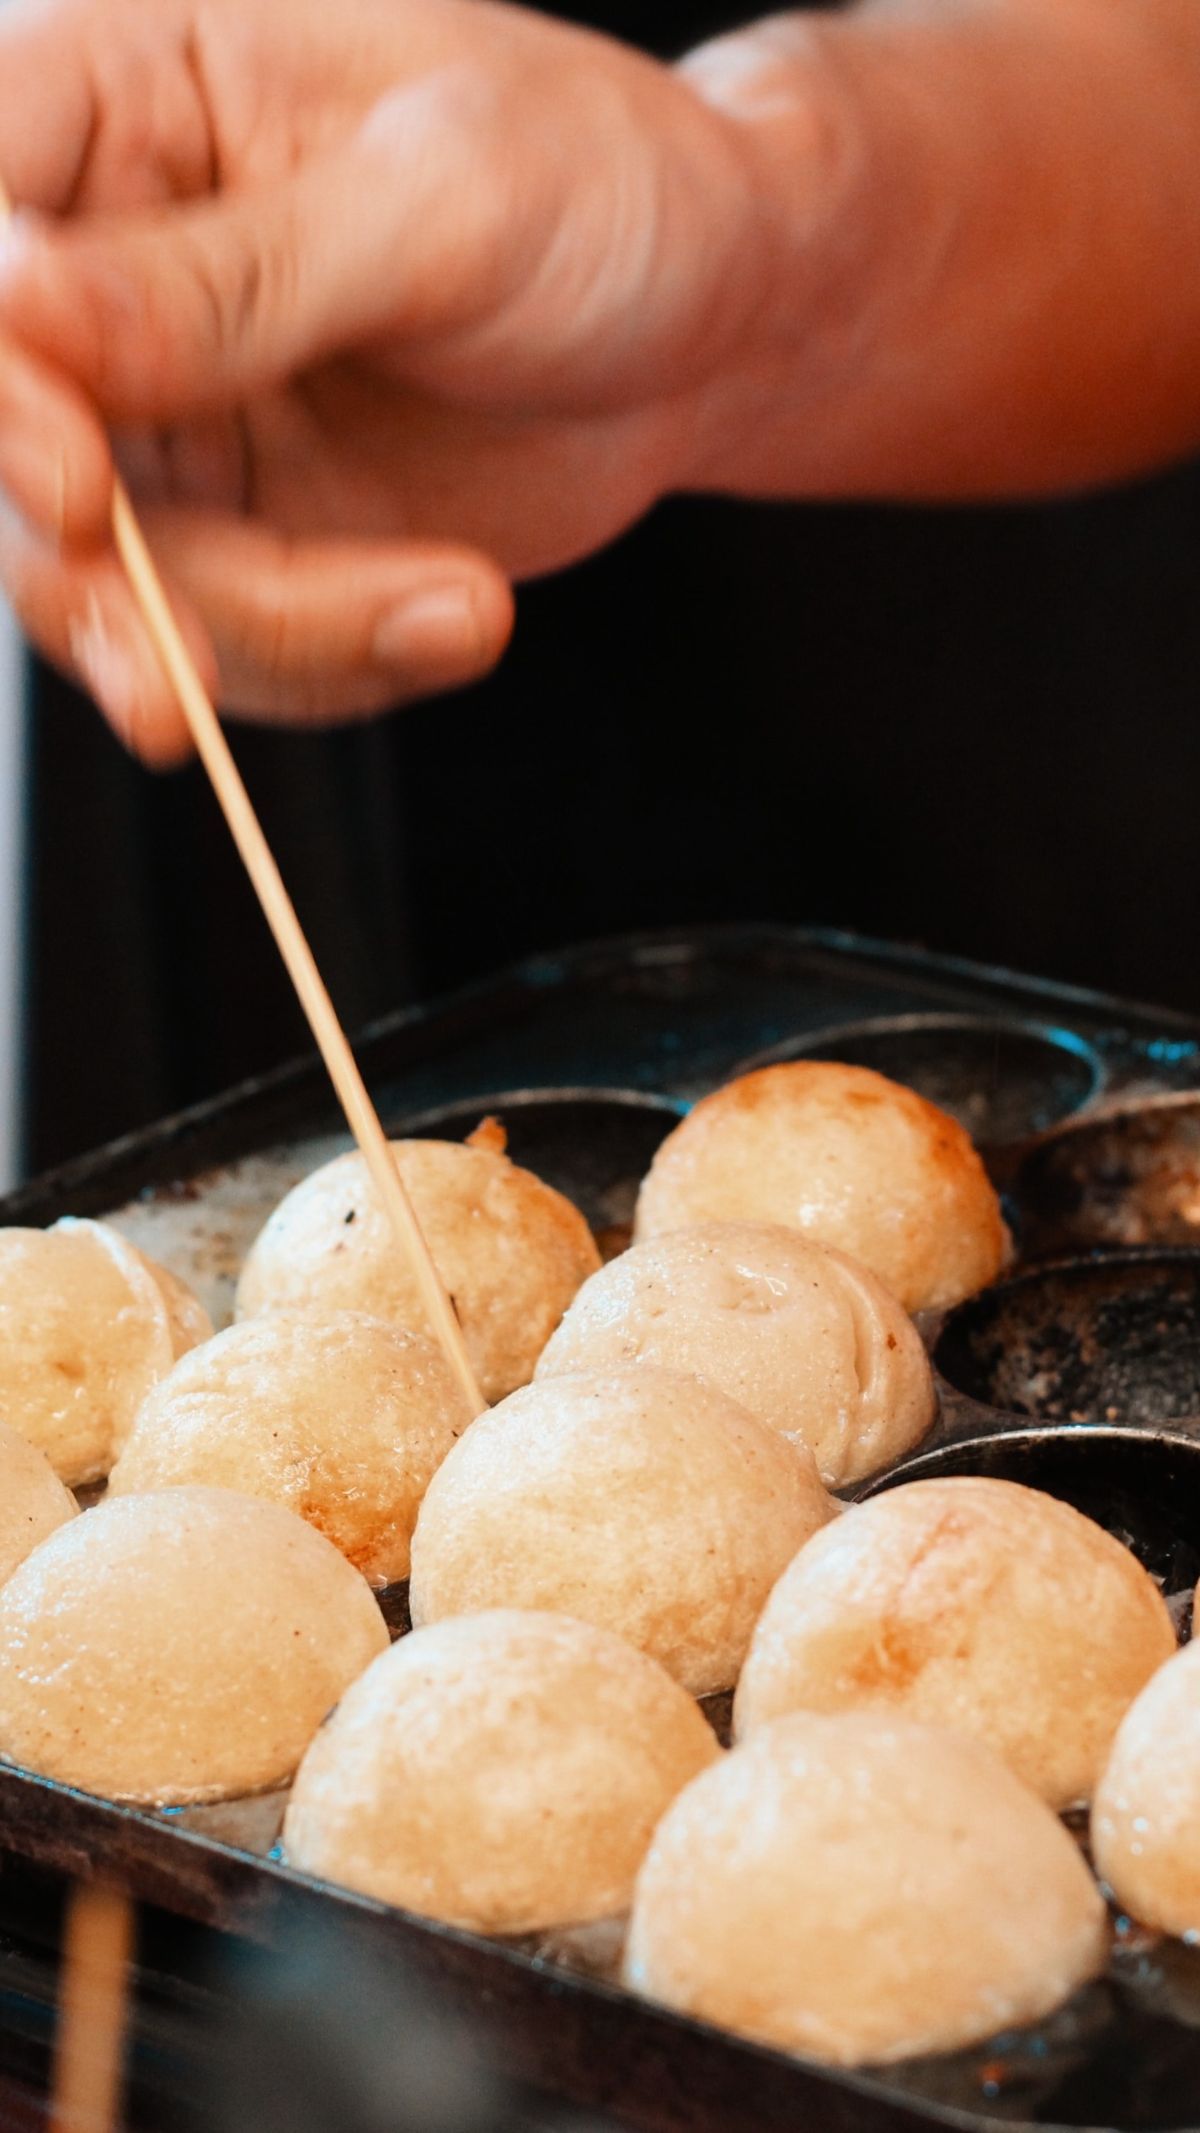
510 1250
646 1503
33 1501
187 1320
178 1647
87 1326
343 1419
969 1603
504 1771
1146 1816
854 1160
801 1335
863 1889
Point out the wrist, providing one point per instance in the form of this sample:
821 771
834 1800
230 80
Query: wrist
982 275
819 228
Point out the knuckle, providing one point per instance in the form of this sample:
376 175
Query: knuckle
227 290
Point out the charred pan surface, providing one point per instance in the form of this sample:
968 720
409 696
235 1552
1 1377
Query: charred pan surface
1099 1340
1131 1177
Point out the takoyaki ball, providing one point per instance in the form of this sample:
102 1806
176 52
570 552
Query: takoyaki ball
87 1326
33 1501
510 1250
850 1158
502 1771
1146 1816
861 1889
343 1419
797 1333
974 1604
648 1504
178 1647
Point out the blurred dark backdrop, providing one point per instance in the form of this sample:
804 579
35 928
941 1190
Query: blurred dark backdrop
974 729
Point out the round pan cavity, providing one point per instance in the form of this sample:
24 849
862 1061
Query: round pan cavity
1142 1486
594 1145
1003 1081
1130 1177
1113 1339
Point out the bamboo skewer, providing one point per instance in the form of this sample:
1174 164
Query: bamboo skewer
92 2010
214 752
361 1116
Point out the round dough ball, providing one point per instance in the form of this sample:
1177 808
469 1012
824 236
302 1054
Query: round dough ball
973 1604
649 1504
87 1326
851 1158
1146 1817
798 1334
511 1251
33 1501
178 1647
863 1889
503 1771
187 1320
343 1419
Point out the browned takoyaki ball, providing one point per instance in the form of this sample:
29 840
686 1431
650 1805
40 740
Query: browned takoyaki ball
848 1157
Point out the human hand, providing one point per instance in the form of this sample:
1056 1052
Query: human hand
387 305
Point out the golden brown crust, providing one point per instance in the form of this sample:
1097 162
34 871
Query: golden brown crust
489 1135
343 1420
854 1160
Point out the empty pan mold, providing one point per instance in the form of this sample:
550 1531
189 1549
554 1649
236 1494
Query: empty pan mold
1129 1177
1095 1340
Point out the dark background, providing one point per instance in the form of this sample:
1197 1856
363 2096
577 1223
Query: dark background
974 729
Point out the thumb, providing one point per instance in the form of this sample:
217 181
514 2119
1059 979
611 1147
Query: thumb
185 309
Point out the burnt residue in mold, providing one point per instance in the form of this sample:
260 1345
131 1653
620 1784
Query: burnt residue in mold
1128 1177
1109 1339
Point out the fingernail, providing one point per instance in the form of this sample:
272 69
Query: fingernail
440 625
105 665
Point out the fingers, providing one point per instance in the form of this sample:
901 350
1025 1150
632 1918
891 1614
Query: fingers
322 632
47 108
55 464
80 613
176 311
314 634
